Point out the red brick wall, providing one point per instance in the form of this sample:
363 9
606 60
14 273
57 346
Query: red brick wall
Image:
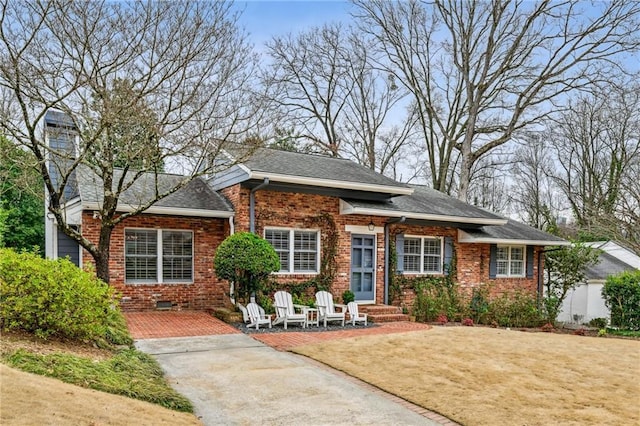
294 210
206 291
472 266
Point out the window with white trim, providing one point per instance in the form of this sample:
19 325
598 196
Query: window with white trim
422 255
510 261
158 256
298 249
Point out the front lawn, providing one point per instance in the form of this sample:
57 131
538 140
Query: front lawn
485 376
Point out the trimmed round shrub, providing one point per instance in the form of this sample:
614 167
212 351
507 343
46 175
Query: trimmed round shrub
245 260
56 298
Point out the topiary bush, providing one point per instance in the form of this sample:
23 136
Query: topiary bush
245 260
621 293
56 298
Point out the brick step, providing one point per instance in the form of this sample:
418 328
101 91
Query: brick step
378 318
379 309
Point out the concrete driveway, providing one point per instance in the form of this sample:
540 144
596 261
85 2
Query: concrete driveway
236 380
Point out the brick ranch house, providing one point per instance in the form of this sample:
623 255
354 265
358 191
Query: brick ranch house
327 218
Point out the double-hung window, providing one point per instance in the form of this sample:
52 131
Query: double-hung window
422 255
298 249
158 256
510 261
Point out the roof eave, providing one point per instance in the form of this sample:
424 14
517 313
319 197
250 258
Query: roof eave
463 237
167 211
329 183
346 208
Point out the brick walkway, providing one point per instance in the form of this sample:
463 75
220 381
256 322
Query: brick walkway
290 339
151 325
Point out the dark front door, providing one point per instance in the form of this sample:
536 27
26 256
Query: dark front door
363 249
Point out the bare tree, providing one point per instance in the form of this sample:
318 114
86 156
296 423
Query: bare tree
480 72
597 144
489 187
326 87
147 85
533 190
308 80
368 138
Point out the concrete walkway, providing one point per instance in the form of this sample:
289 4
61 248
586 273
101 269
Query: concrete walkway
233 379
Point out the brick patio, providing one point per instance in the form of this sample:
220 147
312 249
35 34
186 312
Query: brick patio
151 325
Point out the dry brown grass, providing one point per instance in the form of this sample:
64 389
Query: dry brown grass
484 376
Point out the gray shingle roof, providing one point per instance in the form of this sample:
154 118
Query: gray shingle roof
515 231
427 201
195 195
316 166
607 265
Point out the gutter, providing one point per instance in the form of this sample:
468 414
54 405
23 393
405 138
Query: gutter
386 255
252 204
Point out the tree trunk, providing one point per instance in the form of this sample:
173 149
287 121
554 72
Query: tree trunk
103 253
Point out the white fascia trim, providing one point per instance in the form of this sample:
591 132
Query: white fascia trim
463 237
167 211
328 183
346 208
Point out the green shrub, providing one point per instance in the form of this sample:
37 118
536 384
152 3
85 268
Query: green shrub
56 298
621 295
303 299
246 260
598 323
479 305
435 296
514 310
348 296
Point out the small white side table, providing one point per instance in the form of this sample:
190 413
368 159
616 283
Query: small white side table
312 316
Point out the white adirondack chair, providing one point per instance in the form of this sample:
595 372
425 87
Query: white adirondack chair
354 316
257 316
245 314
285 311
326 310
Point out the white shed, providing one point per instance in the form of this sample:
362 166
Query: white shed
585 302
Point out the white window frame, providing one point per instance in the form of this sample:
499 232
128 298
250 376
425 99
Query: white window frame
422 239
292 250
510 261
159 256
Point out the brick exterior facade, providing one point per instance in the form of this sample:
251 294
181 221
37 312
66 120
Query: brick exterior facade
297 210
289 210
206 291
472 266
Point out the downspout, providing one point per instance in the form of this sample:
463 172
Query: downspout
386 255
232 226
252 204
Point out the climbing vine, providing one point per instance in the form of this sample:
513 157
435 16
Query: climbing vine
329 251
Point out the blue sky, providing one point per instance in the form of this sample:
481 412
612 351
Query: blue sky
264 19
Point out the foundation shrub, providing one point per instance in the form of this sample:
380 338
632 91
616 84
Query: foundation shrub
514 310
56 298
479 305
246 260
434 296
599 323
